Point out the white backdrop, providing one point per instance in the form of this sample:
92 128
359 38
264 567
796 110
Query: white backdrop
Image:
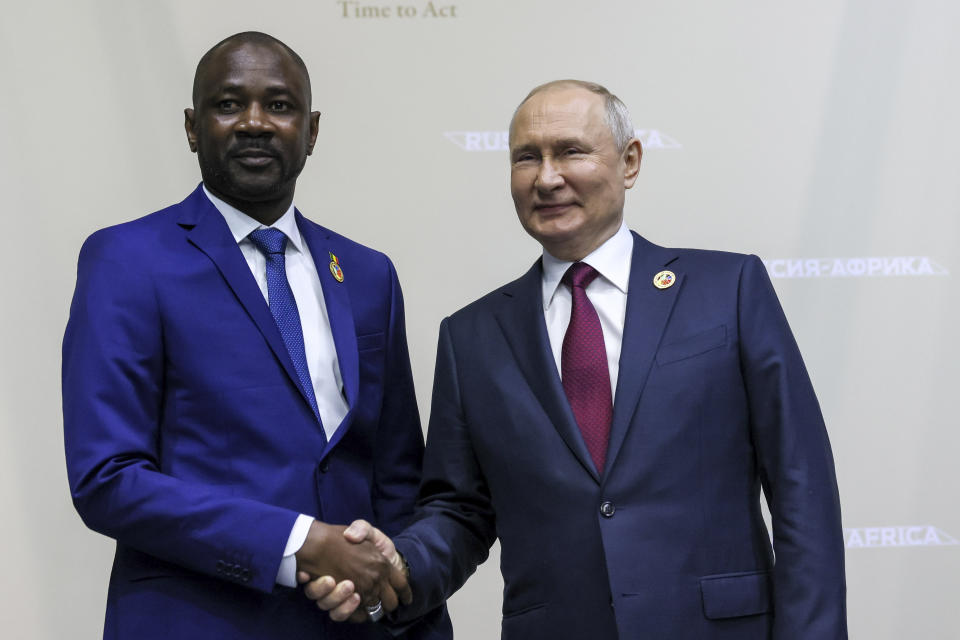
821 135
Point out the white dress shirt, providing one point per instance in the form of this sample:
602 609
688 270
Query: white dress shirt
322 362
607 293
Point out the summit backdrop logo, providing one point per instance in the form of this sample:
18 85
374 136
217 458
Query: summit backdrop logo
499 140
871 267
910 536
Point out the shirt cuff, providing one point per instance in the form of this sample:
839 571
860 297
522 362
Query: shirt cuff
287 574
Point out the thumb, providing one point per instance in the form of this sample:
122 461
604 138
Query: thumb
358 531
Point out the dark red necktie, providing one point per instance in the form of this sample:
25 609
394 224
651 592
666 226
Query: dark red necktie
583 366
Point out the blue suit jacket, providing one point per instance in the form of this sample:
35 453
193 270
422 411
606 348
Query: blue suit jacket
712 403
189 439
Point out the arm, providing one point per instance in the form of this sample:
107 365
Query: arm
455 524
114 400
397 468
796 468
398 453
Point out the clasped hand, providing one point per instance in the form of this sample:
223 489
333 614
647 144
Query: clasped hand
343 567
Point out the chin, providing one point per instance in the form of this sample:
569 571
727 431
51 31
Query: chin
255 191
558 229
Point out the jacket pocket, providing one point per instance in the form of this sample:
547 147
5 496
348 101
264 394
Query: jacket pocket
693 346
732 595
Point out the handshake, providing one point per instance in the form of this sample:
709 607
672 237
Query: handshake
344 567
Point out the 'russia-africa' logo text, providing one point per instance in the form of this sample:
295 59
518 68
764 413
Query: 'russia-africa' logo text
911 536
854 267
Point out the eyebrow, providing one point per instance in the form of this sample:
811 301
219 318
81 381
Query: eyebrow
561 143
570 142
277 91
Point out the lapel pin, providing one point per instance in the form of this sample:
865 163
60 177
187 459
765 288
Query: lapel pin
335 269
664 279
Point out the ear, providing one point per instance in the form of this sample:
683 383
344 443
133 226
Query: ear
631 161
190 128
314 130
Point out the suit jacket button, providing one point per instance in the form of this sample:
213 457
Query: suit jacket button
607 509
220 566
324 466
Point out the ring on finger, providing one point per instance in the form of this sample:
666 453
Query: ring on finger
375 612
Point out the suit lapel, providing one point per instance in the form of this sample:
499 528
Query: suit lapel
208 231
648 311
337 300
521 320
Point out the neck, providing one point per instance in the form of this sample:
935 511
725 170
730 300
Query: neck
266 212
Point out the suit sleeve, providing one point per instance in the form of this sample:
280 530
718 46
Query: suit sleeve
113 405
455 524
796 468
398 459
398 454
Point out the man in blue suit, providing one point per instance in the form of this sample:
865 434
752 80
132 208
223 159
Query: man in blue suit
236 380
611 417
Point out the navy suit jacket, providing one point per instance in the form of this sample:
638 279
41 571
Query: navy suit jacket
189 439
713 402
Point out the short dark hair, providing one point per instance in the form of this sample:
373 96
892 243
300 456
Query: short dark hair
245 37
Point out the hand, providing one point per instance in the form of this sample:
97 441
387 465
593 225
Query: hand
361 530
340 599
326 552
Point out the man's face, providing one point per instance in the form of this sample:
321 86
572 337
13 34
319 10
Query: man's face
567 176
251 126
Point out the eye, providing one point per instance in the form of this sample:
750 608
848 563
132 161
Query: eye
228 106
278 105
524 157
572 151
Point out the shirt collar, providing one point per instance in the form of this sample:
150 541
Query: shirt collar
241 225
611 259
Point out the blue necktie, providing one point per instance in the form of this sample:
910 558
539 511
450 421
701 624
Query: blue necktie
272 243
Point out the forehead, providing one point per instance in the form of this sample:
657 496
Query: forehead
252 65
561 113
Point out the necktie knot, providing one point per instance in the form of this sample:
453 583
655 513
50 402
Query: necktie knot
269 240
580 274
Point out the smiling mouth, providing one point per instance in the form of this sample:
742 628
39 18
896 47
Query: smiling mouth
253 158
552 208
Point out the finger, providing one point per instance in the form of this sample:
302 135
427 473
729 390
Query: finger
303 577
358 531
347 608
385 545
320 588
340 595
388 598
400 584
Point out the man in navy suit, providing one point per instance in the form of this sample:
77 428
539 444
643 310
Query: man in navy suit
236 380
612 416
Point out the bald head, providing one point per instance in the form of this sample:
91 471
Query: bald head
615 112
239 39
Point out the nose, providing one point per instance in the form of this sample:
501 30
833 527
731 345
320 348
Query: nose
255 121
548 176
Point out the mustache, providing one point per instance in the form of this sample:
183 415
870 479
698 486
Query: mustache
252 146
